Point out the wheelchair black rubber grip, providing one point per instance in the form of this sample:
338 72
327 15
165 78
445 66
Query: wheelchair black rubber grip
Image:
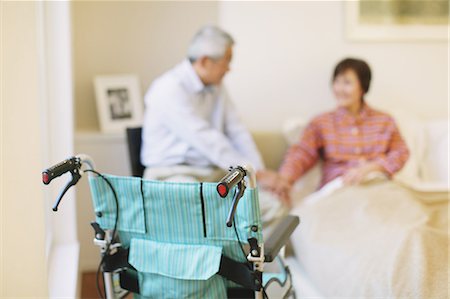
59 169
230 180
280 236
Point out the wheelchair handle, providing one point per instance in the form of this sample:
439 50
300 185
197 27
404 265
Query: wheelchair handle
235 176
72 165
61 168
69 165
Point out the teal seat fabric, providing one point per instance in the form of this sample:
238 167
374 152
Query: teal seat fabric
181 261
181 270
176 232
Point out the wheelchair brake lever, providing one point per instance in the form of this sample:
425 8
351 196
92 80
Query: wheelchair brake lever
75 178
237 196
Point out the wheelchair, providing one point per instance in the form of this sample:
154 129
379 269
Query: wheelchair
182 240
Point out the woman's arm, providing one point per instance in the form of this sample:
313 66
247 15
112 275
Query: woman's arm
397 154
302 156
299 158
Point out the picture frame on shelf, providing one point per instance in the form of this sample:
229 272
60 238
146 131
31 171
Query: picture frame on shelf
119 102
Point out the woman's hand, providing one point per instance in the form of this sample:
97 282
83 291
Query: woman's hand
275 183
267 179
283 189
356 175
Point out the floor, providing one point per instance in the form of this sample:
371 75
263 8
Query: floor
89 286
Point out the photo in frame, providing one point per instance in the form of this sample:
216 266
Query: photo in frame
397 20
119 102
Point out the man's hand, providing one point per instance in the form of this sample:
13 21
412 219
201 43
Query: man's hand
356 175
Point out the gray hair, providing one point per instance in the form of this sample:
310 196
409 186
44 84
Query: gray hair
209 41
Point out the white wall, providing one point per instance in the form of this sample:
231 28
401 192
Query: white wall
22 258
58 115
286 52
39 255
58 119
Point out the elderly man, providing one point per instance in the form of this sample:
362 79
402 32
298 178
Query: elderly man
191 130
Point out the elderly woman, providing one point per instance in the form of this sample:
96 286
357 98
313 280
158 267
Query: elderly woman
352 140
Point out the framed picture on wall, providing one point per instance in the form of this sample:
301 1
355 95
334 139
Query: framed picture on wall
119 102
397 20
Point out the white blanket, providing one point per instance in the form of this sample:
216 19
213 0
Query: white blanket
378 240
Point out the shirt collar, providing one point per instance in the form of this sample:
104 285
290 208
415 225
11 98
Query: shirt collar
345 114
193 81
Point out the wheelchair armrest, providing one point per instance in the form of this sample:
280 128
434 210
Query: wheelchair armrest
279 236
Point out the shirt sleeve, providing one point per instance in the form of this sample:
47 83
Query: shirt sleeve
303 155
397 153
178 113
240 137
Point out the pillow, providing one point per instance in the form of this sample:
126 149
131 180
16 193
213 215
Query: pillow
427 168
434 165
293 129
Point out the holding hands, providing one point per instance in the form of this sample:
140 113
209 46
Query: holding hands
274 182
282 186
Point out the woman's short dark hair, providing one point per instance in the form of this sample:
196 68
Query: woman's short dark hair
360 67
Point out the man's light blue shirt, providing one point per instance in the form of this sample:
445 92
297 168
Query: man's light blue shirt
188 123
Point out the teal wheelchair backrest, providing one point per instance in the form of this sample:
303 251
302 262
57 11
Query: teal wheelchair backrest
176 232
